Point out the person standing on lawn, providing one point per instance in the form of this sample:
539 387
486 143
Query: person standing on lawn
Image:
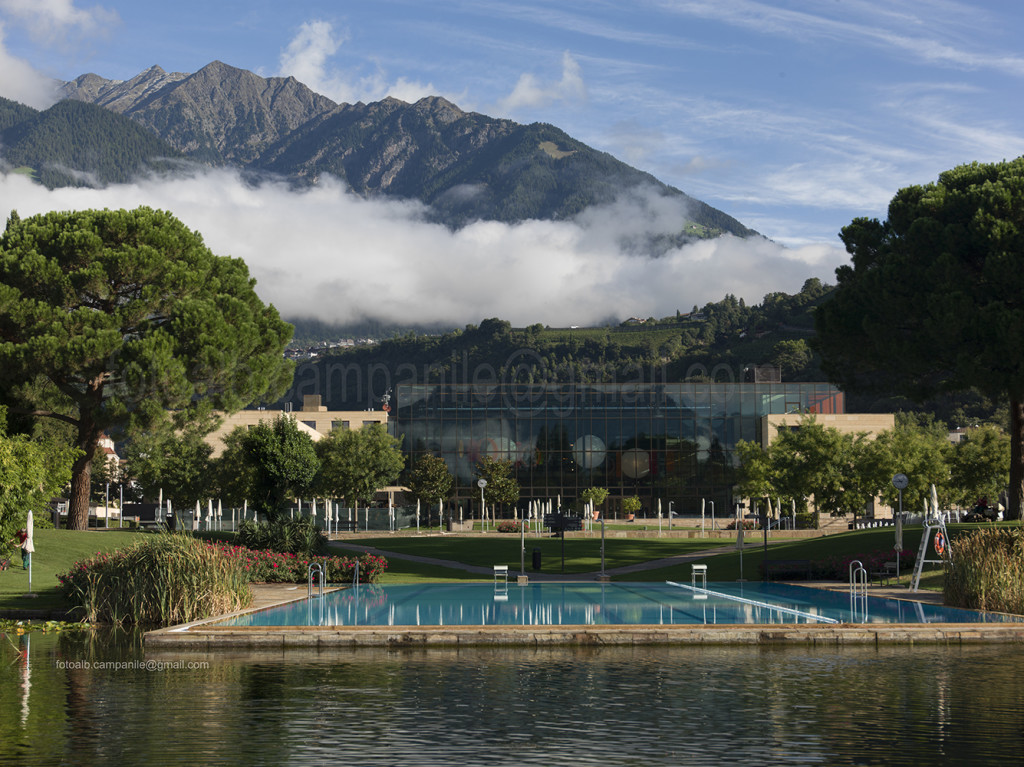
25 543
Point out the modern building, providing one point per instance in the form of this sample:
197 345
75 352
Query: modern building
668 443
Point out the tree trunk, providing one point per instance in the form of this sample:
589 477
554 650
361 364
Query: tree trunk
81 480
1015 496
81 477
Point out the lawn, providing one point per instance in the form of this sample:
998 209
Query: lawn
56 551
726 566
582 555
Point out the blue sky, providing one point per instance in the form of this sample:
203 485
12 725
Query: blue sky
794 116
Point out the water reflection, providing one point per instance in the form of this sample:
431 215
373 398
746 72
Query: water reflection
94 700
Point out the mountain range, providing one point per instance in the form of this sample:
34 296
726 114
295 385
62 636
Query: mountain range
463 166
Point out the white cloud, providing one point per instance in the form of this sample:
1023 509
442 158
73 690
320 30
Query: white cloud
54 24
529 92
20 82
308 59
53 21
327 253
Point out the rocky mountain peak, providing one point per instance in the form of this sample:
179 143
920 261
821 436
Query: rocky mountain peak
430 150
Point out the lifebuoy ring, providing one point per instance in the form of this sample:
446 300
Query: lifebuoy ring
940 544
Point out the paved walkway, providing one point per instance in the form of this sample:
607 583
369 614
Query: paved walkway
931 597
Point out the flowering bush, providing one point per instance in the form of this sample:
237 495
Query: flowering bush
509 526
748 524
274 567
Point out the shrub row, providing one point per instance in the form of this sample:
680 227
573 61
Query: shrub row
297 536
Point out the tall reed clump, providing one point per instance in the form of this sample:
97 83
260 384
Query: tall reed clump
162 580
987 571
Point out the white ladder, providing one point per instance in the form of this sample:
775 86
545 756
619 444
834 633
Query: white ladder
938 524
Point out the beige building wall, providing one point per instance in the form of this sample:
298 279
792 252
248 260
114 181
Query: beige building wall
871 423
313 419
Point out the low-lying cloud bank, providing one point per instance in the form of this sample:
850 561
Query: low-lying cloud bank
326 253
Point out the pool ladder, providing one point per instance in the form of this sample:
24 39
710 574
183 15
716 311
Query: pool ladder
315 572
858 591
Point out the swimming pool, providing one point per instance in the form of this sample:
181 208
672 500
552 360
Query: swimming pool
596 604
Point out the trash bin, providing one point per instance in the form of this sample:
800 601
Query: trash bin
536 559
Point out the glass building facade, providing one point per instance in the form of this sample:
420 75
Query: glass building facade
673 443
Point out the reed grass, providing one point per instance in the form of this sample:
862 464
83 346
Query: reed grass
986 570
162 580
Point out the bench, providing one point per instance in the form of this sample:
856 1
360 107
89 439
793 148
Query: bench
789 567
882 576
349 525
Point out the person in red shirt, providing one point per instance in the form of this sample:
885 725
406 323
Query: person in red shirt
21 538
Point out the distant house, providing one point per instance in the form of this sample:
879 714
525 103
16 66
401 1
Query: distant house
109 453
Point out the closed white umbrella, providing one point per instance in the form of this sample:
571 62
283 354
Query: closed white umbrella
29 546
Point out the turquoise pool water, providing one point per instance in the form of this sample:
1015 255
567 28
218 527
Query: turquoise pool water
620 603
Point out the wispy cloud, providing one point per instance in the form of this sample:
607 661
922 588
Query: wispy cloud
308 58
771 19
55 21
53 24
20 82
531 93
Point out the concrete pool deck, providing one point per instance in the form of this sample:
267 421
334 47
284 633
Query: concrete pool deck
207 636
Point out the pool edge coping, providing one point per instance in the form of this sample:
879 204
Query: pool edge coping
283 637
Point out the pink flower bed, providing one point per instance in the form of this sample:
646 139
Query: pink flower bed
274 567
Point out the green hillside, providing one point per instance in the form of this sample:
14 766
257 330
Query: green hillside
77 144
722 341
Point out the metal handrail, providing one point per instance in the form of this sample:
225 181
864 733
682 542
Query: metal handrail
315 568
858 578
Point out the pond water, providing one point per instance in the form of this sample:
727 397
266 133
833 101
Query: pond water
102 699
